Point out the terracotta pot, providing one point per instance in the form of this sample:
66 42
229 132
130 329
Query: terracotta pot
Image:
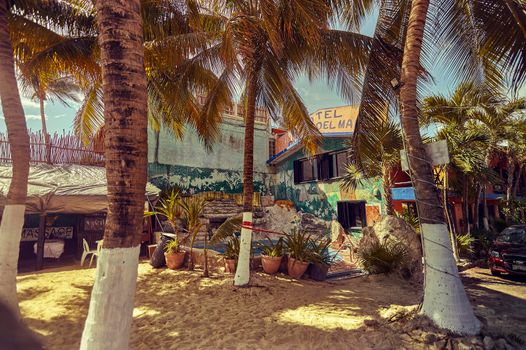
271 263
296 268
174 260
230 265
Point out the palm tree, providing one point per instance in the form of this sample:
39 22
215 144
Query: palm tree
175 74
481 39
13 214
377 156
266 45
125 111
475 106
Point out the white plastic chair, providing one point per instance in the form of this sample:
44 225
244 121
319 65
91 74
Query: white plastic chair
87 252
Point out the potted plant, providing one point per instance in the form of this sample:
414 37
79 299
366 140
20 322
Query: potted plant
299 254
320 258
271 256
173 254
231 254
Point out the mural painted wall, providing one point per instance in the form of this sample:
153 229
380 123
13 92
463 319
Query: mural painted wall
193 180
320 198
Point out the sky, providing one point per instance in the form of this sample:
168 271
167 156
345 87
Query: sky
315 95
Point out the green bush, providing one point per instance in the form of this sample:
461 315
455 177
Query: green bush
465 243
384 257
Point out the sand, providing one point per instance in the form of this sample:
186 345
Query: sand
181 310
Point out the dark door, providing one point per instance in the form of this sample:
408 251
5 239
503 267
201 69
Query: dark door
351 214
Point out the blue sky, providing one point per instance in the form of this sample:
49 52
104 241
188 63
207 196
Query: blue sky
315 95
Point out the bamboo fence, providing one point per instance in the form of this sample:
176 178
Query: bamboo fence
62 149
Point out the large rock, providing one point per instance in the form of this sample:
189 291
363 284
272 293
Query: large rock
314 225
394 229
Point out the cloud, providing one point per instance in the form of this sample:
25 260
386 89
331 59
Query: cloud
33 117
27 102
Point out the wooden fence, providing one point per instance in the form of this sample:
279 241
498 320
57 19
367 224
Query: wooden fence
62 149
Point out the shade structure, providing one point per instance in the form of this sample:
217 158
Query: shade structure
73 189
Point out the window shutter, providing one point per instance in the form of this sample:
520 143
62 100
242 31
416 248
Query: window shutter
296 165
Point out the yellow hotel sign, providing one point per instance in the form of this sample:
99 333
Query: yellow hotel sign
335 121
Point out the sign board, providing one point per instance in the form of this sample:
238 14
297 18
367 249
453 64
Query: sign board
335 121
31 234
437 152
94 223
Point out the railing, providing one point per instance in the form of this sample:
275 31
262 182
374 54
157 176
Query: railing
62 149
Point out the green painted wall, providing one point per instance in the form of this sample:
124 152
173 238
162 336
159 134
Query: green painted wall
320 198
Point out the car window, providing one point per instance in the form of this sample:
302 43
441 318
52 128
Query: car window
513 235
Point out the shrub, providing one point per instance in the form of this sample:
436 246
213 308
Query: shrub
465 243
384 257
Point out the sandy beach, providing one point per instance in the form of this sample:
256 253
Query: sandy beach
181 310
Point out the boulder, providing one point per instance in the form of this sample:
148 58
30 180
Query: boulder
395 229
313 224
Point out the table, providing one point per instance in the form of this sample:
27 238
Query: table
53 248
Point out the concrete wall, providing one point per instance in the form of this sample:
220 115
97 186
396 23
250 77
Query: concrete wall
320 198
186 163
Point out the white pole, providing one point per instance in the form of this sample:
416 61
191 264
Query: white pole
242 276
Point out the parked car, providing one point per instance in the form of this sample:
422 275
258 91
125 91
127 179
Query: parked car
508 252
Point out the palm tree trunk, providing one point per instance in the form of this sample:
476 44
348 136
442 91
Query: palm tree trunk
485 213
13 214
465 201
242 276
517 181
476 215
451 226
445 300
509 189
387 184
41 99
125 105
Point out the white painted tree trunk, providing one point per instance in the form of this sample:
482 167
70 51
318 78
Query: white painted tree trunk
10 234
111 305
445 300
242 276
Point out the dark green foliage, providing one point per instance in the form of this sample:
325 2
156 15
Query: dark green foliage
384 257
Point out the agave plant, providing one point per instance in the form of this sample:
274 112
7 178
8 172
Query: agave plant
319 251
273 249
298 245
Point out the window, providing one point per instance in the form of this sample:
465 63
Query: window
305 170
351 214
271 147
322 167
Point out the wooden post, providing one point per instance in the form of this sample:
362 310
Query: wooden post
41 240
